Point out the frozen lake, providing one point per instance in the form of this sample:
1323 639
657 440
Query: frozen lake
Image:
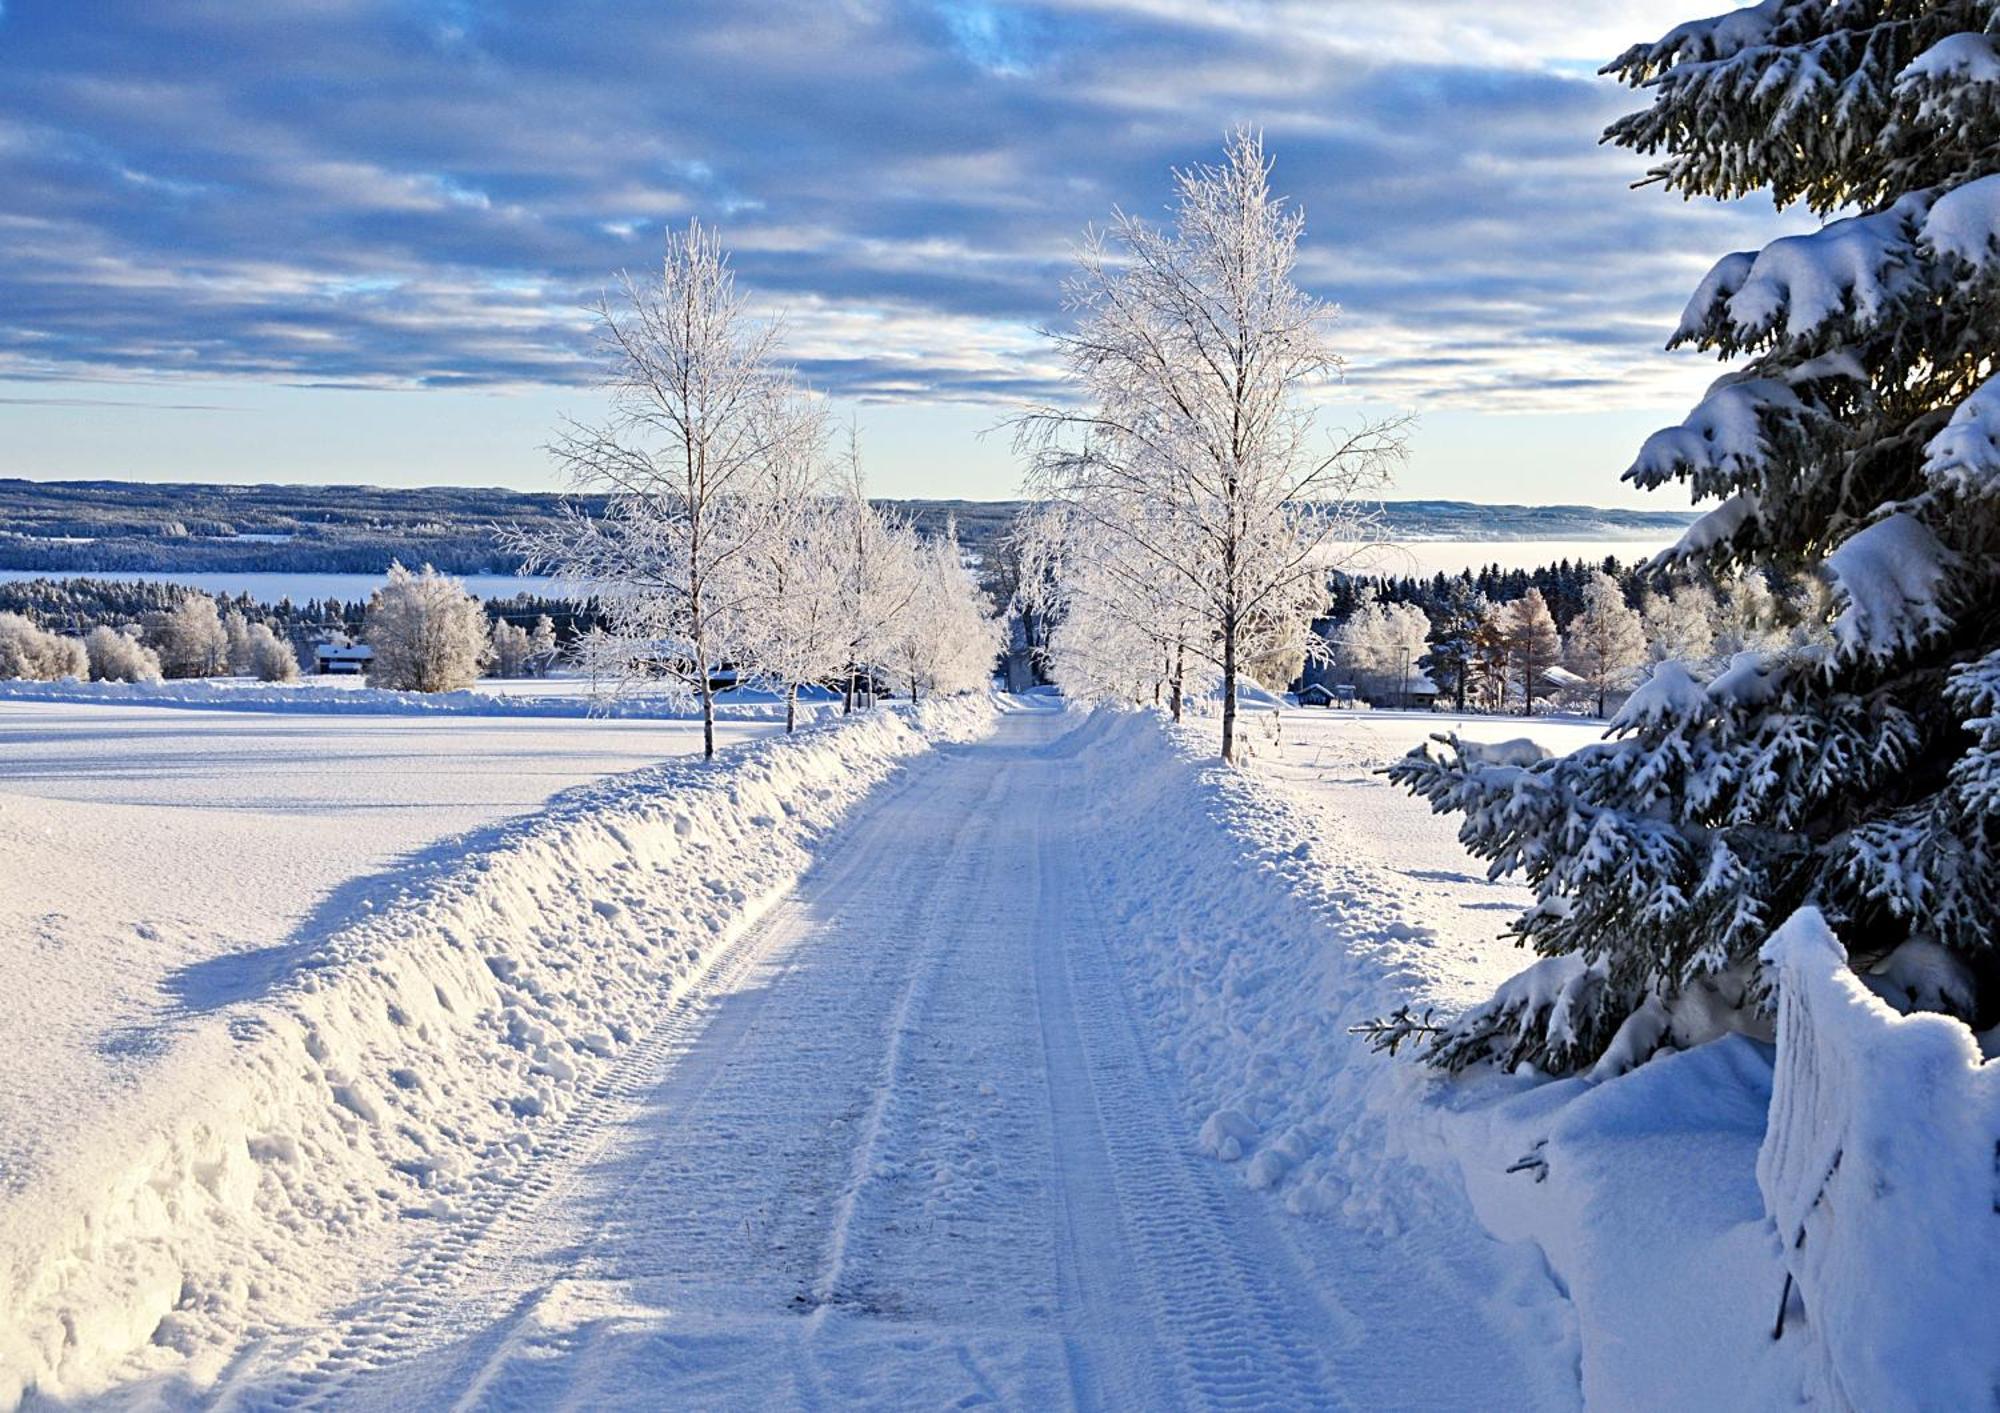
1423 558
1416 557
271 587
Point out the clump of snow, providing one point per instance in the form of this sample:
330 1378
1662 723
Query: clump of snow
1722 437
1855 267
1965 222
1671 693
1717 526
1964 58
1715 39
1964 458
1879 1167
418 1061
1886 578
1522 751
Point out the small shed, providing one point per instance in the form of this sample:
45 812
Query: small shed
342 659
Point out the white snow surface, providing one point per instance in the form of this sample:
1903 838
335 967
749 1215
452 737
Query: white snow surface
311 1092
1886 577
159 865
947 1059
536 697
1965 58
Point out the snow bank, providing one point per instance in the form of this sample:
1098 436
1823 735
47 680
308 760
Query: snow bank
415 1063
1253 935
1258 928
1881 1166
368 701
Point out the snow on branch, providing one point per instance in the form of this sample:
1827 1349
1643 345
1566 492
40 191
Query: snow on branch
1964 458
1856 269
1887 577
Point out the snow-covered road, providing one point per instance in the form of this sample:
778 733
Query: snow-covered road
901 1145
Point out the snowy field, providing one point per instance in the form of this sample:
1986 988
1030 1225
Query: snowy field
161 864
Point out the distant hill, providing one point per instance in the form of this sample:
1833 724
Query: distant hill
111 526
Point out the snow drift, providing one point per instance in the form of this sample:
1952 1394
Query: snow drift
416 1061
1257 930
1881 1167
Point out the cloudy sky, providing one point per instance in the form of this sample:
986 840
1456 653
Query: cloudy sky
350 239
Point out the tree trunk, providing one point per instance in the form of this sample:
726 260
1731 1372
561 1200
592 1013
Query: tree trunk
847 695
1174 694
1229 693
707 718
791 707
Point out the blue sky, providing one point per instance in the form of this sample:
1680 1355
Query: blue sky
351 239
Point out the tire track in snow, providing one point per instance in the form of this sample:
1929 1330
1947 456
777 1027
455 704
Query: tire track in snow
1231 1311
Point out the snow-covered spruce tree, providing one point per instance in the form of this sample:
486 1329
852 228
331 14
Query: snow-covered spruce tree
1452 661
1858 440
428 633
1195 354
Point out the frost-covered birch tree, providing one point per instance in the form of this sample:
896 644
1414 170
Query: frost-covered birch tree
802 637
427 632
1856 440
1195 355
1607 641
878 576
1121 629
946 639
1382 644
702 415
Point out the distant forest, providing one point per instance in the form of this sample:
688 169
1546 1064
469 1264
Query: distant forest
105 527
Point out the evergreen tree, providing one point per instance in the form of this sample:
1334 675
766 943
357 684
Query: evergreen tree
1454 639
1859 441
